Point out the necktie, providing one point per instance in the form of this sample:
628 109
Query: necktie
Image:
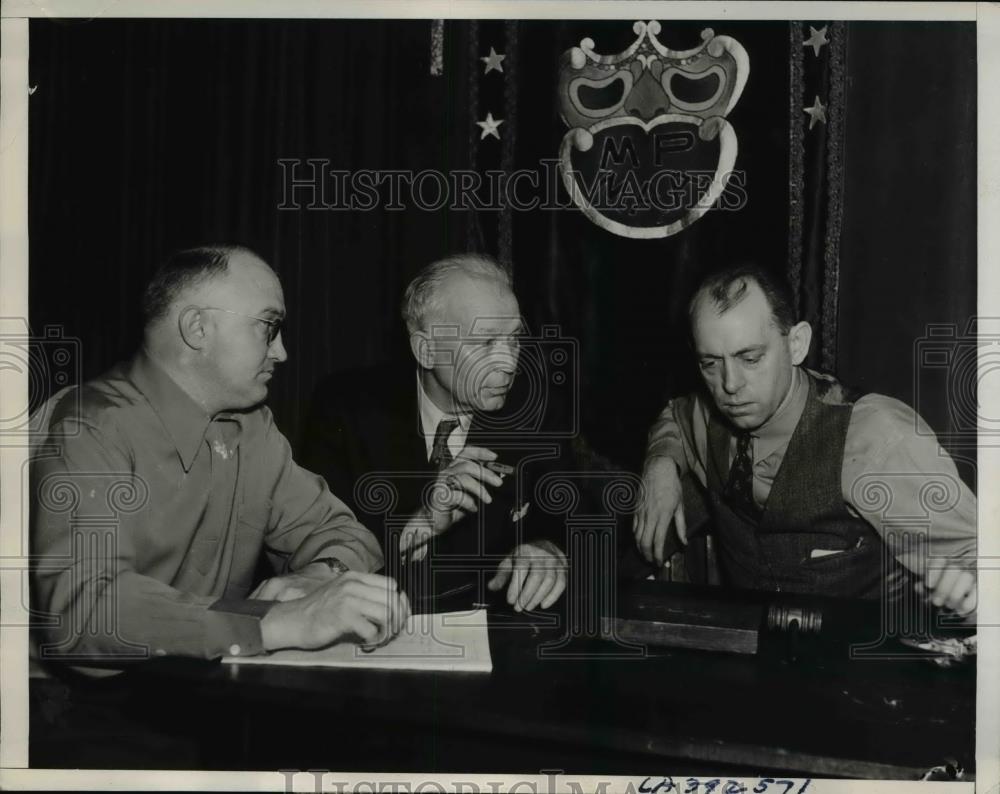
413 540
440 453
739 488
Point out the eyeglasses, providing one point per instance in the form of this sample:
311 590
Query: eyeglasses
273 326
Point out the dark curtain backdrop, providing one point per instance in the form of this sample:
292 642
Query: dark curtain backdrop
623 298
908 248
149 135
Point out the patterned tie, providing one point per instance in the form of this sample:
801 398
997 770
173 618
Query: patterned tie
440 454
739 489
414 536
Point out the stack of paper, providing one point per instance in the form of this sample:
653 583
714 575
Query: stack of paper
445 641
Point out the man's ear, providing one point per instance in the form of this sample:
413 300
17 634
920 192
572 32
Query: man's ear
422 347
191 324
799 338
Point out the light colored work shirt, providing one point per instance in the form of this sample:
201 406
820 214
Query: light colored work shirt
894 475
149 517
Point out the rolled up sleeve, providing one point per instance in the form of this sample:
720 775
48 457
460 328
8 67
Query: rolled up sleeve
897 476
680 433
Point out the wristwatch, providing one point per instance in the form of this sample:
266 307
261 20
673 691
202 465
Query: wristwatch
335 565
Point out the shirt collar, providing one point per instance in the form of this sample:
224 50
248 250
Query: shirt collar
431 415
775 433
184 420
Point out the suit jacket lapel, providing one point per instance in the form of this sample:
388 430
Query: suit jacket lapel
407 449
400 447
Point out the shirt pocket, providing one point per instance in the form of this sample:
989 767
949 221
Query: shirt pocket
252 526
255 516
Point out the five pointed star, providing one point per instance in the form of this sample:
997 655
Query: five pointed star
493 60
817 38
490 126
816 113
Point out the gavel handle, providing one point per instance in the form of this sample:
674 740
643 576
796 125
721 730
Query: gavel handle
793 639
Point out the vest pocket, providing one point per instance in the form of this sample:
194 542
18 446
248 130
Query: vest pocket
825 554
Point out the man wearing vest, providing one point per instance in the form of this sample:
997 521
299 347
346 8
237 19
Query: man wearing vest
797 468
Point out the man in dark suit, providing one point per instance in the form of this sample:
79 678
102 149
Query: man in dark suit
444 454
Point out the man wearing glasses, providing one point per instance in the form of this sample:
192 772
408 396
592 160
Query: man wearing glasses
178 447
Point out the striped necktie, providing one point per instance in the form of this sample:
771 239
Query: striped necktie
440 453
739 488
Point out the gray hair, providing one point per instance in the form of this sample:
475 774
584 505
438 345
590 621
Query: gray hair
423 295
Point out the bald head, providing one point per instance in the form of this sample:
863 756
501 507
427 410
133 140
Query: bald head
247 279
184 272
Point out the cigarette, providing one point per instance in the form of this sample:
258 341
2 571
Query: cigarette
499 468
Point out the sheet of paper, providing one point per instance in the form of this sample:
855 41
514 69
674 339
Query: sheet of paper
445 641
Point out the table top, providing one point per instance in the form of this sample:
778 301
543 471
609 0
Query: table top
584 704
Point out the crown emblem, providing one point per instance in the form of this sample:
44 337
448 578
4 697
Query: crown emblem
667 110
648 79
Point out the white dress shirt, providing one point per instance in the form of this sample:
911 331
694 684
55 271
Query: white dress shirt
431 416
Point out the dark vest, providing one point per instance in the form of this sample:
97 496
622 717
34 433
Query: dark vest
805 510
